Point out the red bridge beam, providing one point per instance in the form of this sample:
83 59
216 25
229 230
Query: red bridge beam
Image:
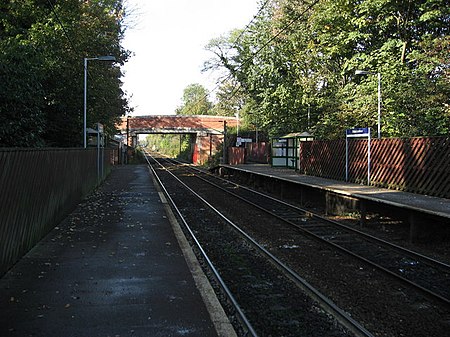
171 122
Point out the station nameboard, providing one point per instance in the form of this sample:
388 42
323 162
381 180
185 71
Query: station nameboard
240 140
357 132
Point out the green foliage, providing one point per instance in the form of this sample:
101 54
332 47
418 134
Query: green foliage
230 99
42 46
195 101
295 66
22 121
172 145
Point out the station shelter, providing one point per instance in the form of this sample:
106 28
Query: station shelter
285 149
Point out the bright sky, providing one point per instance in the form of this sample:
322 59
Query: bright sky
168 40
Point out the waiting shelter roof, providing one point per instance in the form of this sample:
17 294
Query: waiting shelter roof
304 134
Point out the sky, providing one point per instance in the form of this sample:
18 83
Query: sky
168 39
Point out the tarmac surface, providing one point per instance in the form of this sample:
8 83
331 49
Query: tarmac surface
114 267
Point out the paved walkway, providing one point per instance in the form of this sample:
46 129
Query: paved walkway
114 267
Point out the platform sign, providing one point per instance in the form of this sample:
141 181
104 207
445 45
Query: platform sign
357 133
241 140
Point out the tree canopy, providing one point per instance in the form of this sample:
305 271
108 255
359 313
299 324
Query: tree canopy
295 64
42 47
195 101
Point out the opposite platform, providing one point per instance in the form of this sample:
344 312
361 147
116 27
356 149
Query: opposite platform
432 205
417 206
113 267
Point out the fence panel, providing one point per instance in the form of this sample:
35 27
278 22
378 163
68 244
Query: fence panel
39 188
417 165
236 155
323 159
258 152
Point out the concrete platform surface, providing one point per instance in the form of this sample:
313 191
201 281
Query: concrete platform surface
113 267
422 203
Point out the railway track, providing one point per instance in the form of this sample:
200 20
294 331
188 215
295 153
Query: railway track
301 309
414 271
425 274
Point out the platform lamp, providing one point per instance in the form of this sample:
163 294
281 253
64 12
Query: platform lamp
363 72
86 59
237 123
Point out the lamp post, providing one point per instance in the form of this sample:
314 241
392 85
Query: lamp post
224 157
363 72
86 59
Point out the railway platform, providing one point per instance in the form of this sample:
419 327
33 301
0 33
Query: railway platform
117 266
417 209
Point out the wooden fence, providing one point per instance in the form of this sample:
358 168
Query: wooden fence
39 188
236 155
417 165
258 152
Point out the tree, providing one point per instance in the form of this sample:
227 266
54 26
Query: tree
230 99
195 101
22 121
44 42
296 64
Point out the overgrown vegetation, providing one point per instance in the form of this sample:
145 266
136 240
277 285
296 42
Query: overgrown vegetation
172 145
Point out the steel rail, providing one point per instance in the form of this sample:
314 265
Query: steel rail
419 287
311 214
326 304
241 316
